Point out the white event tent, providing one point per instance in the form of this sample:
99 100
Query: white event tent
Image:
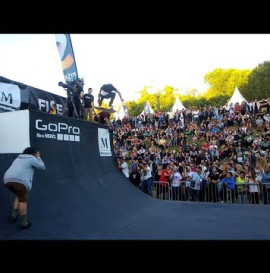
177 105
147 109
236 97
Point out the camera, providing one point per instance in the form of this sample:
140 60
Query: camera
69 86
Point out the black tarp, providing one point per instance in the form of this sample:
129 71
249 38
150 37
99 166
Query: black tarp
82 195
16 96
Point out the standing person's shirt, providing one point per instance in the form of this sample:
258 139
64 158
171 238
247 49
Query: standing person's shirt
176 179
195 180
22 170
87 100
147 174
164 177
125 171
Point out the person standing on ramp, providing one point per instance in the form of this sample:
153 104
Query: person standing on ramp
88 105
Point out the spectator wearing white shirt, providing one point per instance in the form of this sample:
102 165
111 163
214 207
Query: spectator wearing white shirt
176 189
147 179
122 165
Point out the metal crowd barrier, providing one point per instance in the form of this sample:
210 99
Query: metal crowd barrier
160 190
255 193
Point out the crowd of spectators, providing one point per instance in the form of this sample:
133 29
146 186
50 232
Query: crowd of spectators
215 154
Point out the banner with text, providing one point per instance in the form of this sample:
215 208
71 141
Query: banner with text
65 50
13 95
16 96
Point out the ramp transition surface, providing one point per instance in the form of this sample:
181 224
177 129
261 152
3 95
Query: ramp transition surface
82 195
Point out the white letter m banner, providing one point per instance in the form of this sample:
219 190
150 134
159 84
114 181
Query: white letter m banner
104 142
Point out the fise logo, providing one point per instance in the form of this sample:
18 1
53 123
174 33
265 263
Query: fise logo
59 131
10 97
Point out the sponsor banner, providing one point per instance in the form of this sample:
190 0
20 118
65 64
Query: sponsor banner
104 142
65 50
56 130
18 96
69 147
13 95
44 101
10 99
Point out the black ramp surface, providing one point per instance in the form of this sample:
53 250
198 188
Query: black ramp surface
82 195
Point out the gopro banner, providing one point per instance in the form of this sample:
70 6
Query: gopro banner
65 50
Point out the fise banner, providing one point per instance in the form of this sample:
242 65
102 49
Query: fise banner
18 96
44 101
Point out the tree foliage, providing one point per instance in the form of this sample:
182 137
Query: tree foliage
134 108
258 86
166 98
223 81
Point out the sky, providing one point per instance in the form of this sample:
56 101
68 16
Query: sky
130 61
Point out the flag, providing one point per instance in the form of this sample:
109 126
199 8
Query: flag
64 46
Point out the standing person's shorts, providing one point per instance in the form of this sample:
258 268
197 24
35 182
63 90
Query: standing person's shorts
19 190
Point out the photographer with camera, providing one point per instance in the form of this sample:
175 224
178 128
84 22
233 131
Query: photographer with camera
19 179
74 93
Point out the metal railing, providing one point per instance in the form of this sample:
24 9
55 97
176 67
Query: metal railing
246 193
161 190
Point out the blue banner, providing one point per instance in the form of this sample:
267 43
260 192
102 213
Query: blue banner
64 46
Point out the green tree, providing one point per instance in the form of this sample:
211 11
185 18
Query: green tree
134 108
166 98
258 86
223 81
